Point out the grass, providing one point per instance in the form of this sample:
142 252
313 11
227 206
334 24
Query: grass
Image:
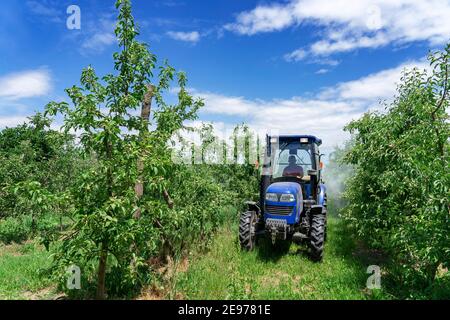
226 272
20 265
281 272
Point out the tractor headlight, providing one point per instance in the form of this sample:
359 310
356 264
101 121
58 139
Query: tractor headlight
287 198
271 196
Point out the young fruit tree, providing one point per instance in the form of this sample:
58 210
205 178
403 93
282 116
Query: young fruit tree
398 197
108 232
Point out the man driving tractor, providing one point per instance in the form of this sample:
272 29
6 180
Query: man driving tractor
293 170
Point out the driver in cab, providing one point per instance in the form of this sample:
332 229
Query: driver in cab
293 170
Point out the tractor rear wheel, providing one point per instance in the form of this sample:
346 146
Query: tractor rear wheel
247 230
317 236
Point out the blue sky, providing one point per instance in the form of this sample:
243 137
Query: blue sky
298 66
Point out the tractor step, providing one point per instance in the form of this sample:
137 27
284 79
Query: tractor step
299 236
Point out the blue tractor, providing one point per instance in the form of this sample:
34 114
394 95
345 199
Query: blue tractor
293 201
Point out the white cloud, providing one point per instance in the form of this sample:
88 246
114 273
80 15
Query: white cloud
232 106
170 4
308 116
262 19
302 54
298 115
193 36
296 55
100 35
327 47
25 84
324 115
12 121
380 85
322 71
352 24
46 9
98 41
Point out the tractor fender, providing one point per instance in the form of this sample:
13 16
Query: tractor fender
252 206
318 209
321 195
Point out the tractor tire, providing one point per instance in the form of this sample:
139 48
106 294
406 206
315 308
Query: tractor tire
317 236
247 230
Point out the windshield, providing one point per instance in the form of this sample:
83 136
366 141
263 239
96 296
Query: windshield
292 159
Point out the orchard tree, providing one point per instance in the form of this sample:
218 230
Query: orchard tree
115 135
398 198
33 155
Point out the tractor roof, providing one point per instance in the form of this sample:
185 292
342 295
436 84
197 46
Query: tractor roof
313 138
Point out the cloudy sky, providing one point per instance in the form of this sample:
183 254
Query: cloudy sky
299 66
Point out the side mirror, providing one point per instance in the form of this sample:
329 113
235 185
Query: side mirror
312 173
321 164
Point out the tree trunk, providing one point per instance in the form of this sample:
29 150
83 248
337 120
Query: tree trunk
101 278
139 186
430 272
145 116
167 198
102 271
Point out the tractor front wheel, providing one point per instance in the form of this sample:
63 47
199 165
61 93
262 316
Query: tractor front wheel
247 230
317 236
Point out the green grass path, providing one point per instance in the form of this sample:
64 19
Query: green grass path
226 272
20 265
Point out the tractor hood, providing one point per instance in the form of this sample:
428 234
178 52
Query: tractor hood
284 187
276 209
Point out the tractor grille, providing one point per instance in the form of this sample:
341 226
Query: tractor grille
279 210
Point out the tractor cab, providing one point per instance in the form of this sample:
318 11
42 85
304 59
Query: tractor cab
291 161
292 204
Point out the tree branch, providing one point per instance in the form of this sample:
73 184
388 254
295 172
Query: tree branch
168 199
